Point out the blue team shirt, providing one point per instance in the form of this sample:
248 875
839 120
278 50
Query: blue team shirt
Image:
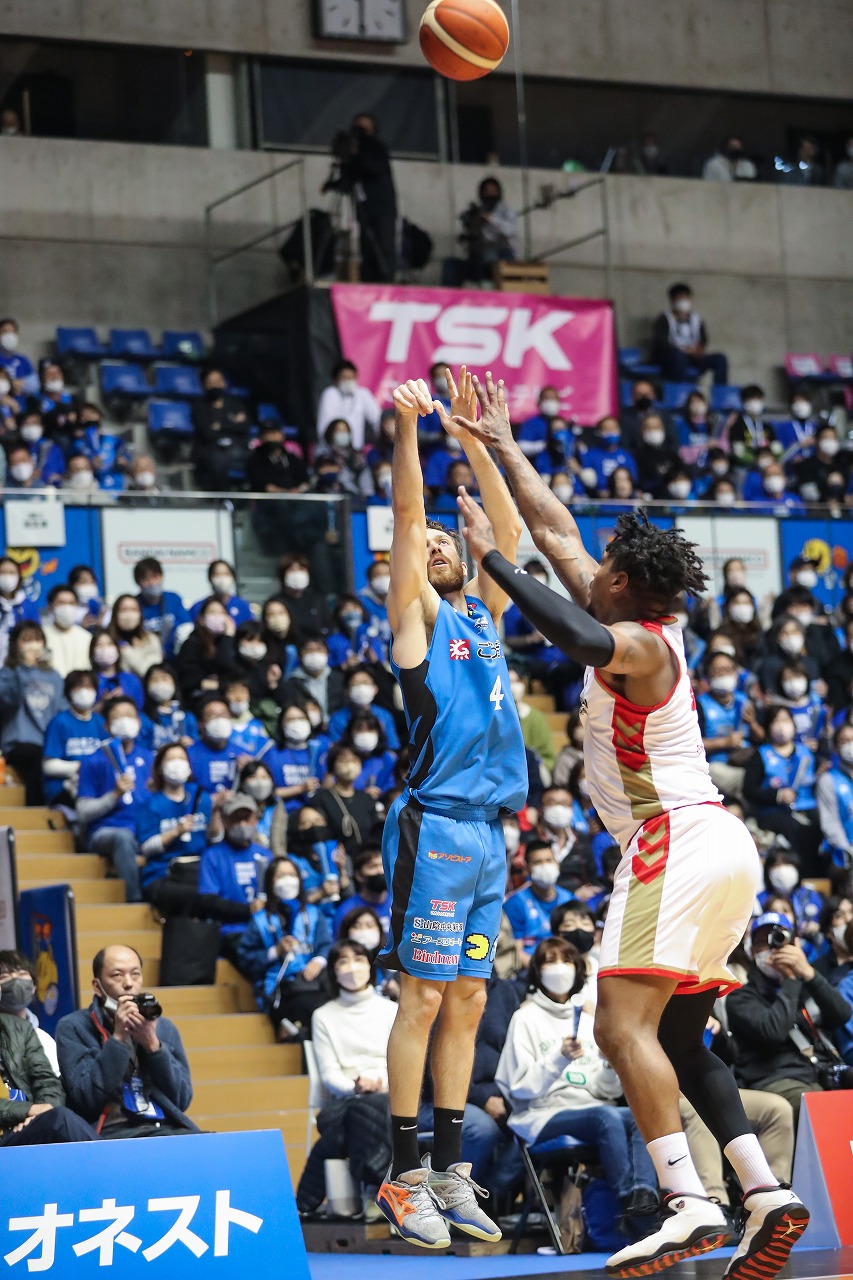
214 769
237 608
605 461
98 776
340 720
464 730
69 738
126 682
168 726
20 369
377 771
161 815
290 766
162 616
234 874
106 454
250 738
720 721
796 770
529 918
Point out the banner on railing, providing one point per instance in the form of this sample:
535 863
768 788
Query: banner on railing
393 333
46 933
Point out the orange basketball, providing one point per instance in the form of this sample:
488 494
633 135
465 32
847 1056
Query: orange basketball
464 39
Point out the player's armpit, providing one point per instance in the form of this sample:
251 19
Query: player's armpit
637 652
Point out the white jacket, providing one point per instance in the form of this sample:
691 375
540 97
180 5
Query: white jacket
535 1078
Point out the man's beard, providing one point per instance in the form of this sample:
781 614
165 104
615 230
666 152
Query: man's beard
446 580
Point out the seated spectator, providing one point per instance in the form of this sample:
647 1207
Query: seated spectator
84 584
138 649
315 677
779 785
566 487
799 593
15 606
31 694
728 722
71 736
298 765
814 474
230 880
654 458
305 606
366 737
374 595
53 391
353 473
18 366
223 584
804 170
555 824
382 476
533 433
604 456
836 915
842 979
835 800
346 399
10 406
220 435
351 815
362 691
575 924
679 485
79 479
283 949
21 472
273 468
722 493
17 992
843 176
143 476
534 727
489 234
104 659
729 163
644 398
370 888
248 733
125 1071
438 463
173 829
782 874
214 758
839 670
796 435
350 1037
206 658
529 909
164 717
571 752
649 158
320 859
768 1020
382 450
254 664
256 780
680 341
741 622
695 430
557 1083
112 792
785 642
163 612
68 643
821 645
807 709
48 458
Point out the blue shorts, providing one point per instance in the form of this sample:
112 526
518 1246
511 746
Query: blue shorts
447 879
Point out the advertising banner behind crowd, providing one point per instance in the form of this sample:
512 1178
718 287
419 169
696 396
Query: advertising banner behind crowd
184 541
393 333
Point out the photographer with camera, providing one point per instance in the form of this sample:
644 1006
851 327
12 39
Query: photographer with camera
782 1017
361 169
123 1063
489 234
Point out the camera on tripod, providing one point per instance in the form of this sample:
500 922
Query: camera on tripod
472 224
342 149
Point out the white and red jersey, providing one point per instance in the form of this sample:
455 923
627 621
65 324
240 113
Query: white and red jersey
641 762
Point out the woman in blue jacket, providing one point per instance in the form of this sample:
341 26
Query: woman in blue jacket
164 718
366 737
173 829
283 949
30 696
779 786
112 682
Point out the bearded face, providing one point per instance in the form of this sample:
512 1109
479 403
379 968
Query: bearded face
445 568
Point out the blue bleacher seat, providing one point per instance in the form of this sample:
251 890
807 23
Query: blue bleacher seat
626 393
632 364
183 344
132 342
675 393
241 393
725 399
72 341
171 417
269 413
177 380
118 379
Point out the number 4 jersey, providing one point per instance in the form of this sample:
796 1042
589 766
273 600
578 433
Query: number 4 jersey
464 731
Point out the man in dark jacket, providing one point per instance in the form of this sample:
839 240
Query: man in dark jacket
367 172
124 1072
777 1019
31 1097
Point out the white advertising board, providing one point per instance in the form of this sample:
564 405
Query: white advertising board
184 542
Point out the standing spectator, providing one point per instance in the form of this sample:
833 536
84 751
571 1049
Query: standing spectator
232 872
175 823
305 605
805 170
138 648
163 612
221 435
223 583
19 367
680 341
113 791
31 694
730 163
71 736
104 659
835 800
68 643
366 173
206 659
346 399
15 606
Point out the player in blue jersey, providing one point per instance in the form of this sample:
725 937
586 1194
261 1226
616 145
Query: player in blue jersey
443 847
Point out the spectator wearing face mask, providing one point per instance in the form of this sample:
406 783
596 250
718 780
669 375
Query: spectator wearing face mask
284 947
529 647
53 391
273 468
163 612
796 434
47 457
728 723
231 875
84 584
143 477
256 780
571 752
174 828
67 641
314 676
306 607
680 341
775 491
10 405
80 479
740 619
21 471
370 887
802 580
528 910
319 858
346 399
602 458
835 799
839 670
383 449
214 757
534 727
298 765
256 661
779 786
223 586
374 597
748 430
17 992
644 399
729 163
113 790
365 736
785 642
165 719
350 1037
347 639
31 694
112 682
382 474
654 457
19 368
15 606
362 691
430 430
351 815
206 658
138 649
108 454
438 463
821 643
717 472
821 474
353 473
575 924
533 433
807 709
836 915
71 736
220 435
782 876
842 979
249 735
679 487
695 425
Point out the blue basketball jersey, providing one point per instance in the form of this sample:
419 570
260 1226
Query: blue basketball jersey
464 730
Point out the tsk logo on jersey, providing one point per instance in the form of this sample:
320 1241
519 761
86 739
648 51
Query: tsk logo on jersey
442 907
434 957
446 857
488 649
460 650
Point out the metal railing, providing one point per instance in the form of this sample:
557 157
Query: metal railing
549 196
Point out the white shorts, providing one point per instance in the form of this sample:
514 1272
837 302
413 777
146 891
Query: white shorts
683 896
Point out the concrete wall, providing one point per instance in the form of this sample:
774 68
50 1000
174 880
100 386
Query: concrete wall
104 233
755 46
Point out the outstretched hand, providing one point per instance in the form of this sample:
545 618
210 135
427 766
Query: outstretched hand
478 527
412 399
463 404
494 428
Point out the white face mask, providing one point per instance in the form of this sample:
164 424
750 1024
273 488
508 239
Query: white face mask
782 733
563 493
723 684
774 485
297 730
286 888
278 624
106 656
124 727
838 932
784 878
763 462
764 961
253 651
161 690
224 583
9 583
86 592
83 699
742 613
381 584
176 771
129 620
369 938
801 410
544 874
9 341
341 439
719 467
794 689
145 479
654 438
238 709
347 386
297 579
512 837
215 623
365 742
829 446
32 432
806 578
805 617
354 979
65 615
792 643
680 488
549 408
315 663
845 752
258 788
725 498
517 690
219 729
315 719
5 386
22 472
557 816
558 978
362 694
753 407
54 385
442 388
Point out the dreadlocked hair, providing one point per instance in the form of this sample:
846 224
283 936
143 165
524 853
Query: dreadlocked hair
453 534
660 563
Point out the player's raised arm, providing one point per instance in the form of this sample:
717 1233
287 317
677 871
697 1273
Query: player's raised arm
496 497
408 544
551 526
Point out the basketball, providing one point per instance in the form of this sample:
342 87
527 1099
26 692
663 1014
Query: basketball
464 39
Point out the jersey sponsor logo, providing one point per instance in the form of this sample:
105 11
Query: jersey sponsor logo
478 946
434 957
460 650
488 649
442 907
434 942
481 624
446 857
437 926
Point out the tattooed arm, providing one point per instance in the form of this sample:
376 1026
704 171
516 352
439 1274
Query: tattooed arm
551 525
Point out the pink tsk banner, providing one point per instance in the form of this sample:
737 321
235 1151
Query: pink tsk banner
393 333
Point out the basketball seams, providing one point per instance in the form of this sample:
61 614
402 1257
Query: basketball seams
434 27
464 39
473 30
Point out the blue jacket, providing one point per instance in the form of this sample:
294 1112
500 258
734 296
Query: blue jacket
529 918
97 778
307 925
340 720
377 771
237 608
230 879
70 738
796 770
94 1065
159 816
842 978
250 738
29 699
718 721
292 765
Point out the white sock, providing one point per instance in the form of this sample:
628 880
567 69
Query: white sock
750 1163
674 1165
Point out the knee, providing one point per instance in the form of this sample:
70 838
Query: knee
607 1036
612 1121
420 1003
464 1002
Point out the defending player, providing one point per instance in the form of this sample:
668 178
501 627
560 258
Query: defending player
684 890
443 845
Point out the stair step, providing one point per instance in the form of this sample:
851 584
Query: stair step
146 942
43 841
114 917
239 1061
263 1093
35 819
543 701
556 721
86 892
12 795
292 1124
60 866
210 1031
195 1001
